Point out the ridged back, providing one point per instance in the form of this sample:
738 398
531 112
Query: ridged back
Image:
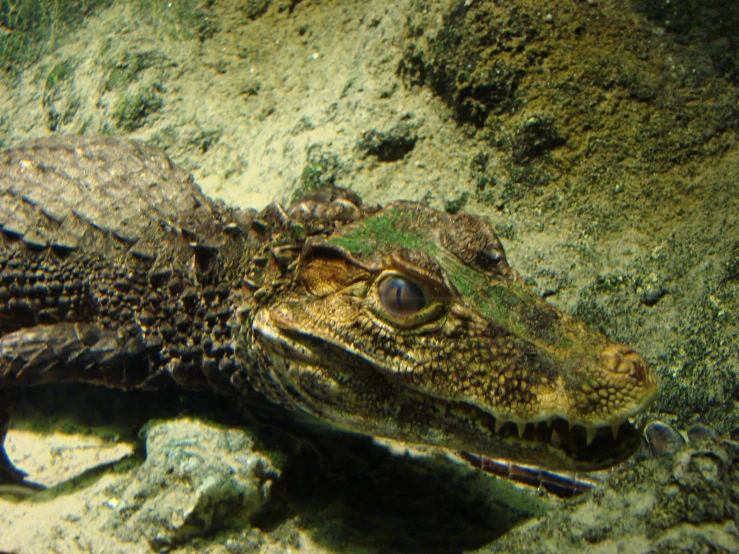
109 233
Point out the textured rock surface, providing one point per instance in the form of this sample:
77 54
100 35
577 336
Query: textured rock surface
206 488
689 503
196 479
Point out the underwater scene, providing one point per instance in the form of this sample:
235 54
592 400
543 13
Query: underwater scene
369 276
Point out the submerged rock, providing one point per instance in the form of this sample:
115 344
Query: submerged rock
196 479
685 503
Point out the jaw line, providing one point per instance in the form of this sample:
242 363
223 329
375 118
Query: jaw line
281 338
294 343
573 440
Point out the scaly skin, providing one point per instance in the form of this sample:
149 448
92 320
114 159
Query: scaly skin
403 322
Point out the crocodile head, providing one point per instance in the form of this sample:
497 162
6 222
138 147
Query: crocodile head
410 324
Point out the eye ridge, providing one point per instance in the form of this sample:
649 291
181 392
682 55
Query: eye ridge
401 297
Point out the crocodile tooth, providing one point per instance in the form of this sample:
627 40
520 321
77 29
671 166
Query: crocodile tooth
550 421
570 425
614 430
521 429
555 441
590 431
498 424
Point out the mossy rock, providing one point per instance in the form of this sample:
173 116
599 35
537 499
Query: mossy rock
59 100
322 170
32 26
134 108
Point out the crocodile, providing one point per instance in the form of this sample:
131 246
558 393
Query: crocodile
401 322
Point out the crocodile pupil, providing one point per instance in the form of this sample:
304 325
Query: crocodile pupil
401 297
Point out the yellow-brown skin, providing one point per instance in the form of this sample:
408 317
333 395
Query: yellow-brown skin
410 324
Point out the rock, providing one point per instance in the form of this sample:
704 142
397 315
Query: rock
196 479
685 503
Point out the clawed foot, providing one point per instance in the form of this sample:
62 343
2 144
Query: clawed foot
12 479
9 474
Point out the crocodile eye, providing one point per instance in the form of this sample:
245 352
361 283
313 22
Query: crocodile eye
401 297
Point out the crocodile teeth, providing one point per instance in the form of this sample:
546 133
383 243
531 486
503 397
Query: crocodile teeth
498 425
555 441
614 430
521 429
590 433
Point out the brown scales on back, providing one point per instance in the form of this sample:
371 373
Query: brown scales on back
404 322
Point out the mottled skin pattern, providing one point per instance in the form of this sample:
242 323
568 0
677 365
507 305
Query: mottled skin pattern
403 322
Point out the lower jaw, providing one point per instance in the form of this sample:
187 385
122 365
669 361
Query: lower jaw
555 444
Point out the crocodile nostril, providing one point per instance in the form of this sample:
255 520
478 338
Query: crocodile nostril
620 359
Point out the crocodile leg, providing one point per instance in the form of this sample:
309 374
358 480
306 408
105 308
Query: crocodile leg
66 352
57 353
